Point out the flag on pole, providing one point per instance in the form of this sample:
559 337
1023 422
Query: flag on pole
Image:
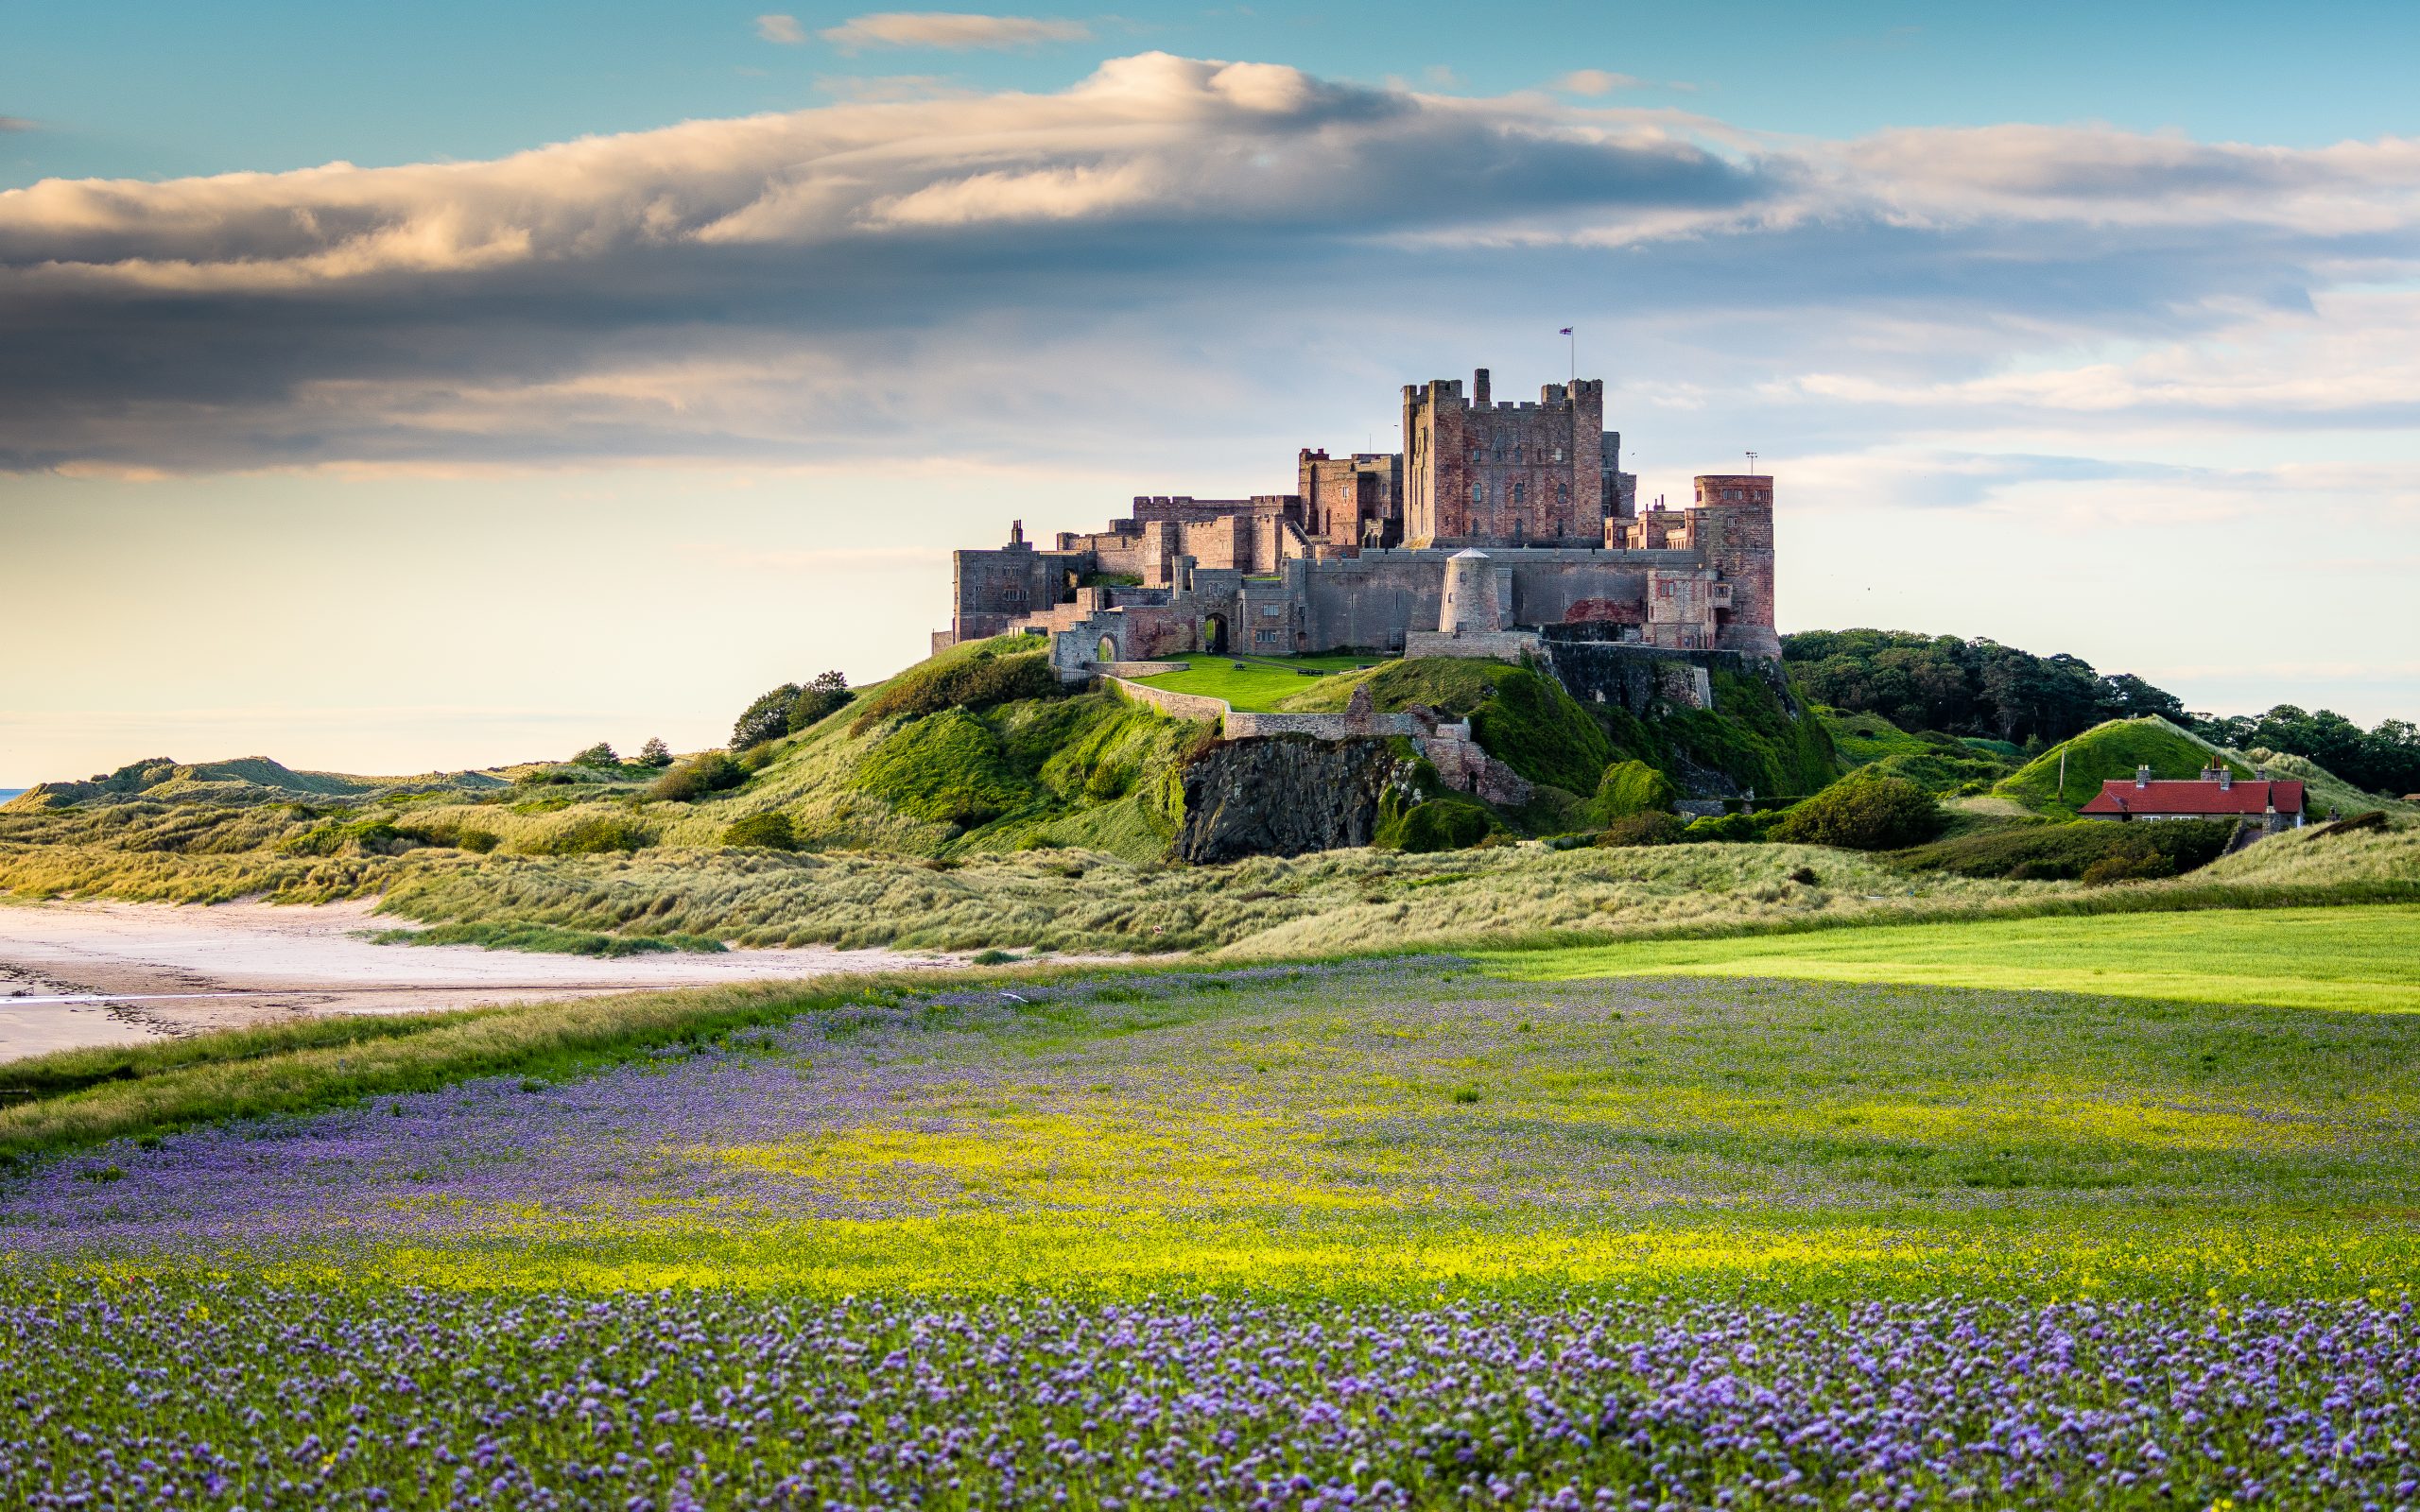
1565 332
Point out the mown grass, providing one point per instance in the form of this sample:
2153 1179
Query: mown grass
1259 683
2357 959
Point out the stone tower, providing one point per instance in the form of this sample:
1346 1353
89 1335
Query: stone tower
1470 596
1734 532
1481 474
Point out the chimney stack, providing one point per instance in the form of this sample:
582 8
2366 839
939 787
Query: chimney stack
1478 388
2142 777
2226 779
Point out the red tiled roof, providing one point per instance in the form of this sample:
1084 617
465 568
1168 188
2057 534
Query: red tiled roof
2192 796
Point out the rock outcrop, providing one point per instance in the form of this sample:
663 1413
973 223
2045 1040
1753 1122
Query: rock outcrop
1286 795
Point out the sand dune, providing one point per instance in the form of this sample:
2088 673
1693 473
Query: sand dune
166 970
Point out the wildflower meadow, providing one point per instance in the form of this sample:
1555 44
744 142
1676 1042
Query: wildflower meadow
1378 1234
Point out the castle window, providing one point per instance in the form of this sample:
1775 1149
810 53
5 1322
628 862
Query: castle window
1563 494
1520 492
1478 493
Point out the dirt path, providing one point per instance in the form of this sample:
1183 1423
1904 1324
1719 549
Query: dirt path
164 970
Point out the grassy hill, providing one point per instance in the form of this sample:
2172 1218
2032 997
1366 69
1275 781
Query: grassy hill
2104 753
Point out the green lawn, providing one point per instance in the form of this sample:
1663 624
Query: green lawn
1259 683
2362 959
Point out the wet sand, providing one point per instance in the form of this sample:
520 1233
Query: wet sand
166 969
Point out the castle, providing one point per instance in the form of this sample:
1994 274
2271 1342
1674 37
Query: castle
1498 524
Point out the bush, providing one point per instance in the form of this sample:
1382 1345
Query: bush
1643 828
1447 822
768 831
977 680
820 700
477 841
768 718
655 755
595 834
1631 787
1864 814
599 755
2063 853
2141 864
1734 829
700 776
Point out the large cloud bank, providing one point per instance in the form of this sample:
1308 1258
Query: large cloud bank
1035 274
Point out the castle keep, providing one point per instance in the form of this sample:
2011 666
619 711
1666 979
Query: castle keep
1499 524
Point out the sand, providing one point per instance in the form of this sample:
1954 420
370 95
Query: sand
166 969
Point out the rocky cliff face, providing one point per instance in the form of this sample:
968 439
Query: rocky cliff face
1285 795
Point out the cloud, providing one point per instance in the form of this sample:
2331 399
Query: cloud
17 122
950 31
782 29
1173 256
1593 81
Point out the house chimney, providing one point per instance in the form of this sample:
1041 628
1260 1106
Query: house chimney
2142 777
1479 389
2226 779
1016 532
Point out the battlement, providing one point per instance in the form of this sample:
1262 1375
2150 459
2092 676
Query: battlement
1732 487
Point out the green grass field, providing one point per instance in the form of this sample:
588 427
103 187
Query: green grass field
1259 684
2358 959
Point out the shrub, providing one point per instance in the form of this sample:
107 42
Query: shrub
1731 829
2134 864
1447 822
770 832
700 776
1631 787
1864 814
594 834
768 718
977 680
1643 828
477 841
655 755
599 755
820 700
2047 852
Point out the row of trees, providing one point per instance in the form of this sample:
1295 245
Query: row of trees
1966 687
1983 687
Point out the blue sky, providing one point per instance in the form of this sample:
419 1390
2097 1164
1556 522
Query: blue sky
159 89
647 356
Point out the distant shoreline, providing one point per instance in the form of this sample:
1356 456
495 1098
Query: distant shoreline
7 793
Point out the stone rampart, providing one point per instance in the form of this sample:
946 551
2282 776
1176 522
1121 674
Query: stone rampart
1168 702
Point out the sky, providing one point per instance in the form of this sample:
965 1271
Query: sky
389 388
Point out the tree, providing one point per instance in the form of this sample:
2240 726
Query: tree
822 698
1863 814
768 718
600 755
655 755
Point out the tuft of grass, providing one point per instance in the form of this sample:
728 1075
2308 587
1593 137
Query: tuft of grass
549 939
